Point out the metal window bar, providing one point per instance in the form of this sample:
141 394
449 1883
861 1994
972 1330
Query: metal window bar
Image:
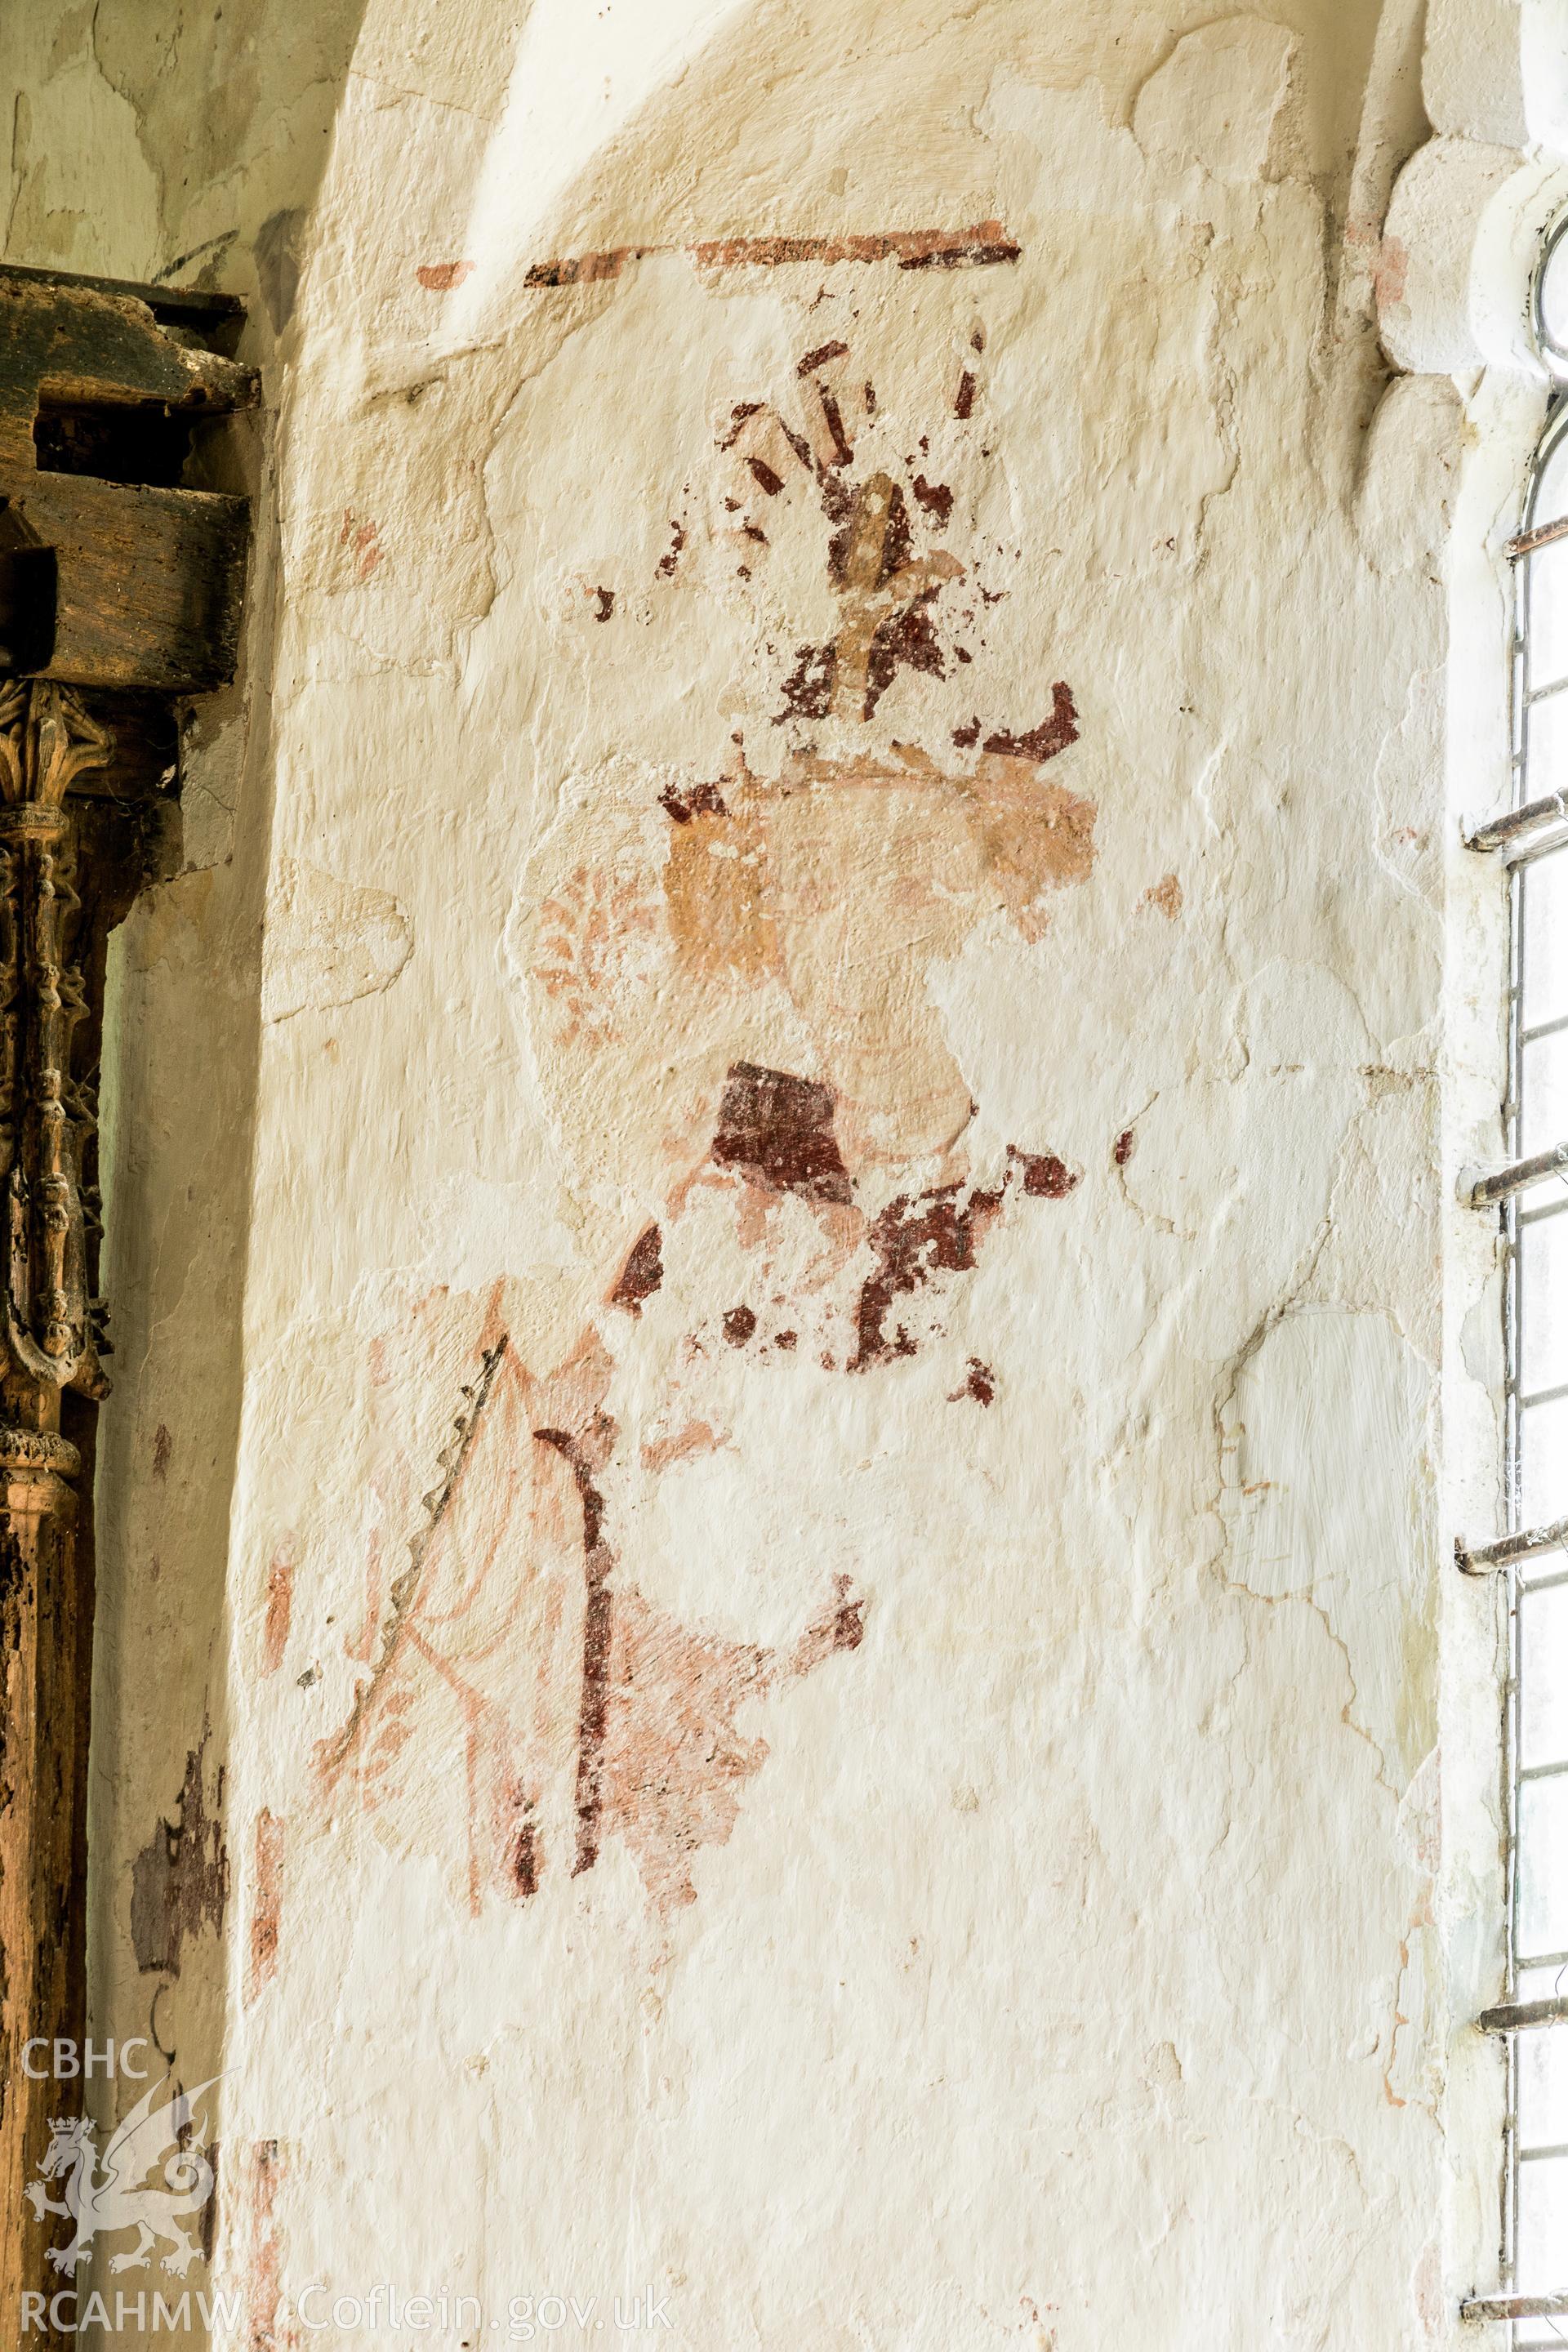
1480 1189
1509 1551
1532 828
1513 824
1514 2306
1524 2016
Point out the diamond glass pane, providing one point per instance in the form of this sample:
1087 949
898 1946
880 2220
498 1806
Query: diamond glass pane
1544 1681
1544 1565
1543 2088
1543 1086
1547 590
1543 1302
1543 887
1543 1866
1542 2225
1550 500
1544 1463
1546 740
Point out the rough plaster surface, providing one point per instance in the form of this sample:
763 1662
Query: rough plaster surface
776 1189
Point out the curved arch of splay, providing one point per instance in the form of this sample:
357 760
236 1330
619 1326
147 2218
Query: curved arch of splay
582 131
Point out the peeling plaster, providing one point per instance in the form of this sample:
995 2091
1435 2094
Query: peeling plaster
871 771
328 943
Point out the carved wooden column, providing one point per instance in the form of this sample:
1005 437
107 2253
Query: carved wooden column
119 587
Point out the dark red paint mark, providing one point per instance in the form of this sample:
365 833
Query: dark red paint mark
738 1324
765 476
606 597
980 253
440 277
1123 1150
869 395
833 418
162 1446
912 1240
1043 743
841 506
808 689
585 269
598 1619
986 243
666 563
525 1861
683 804
843 1627
980 1383
897 542
967 737
738 416
641 1274
936 498
777 1130
963 406
797 442
786 1340
906 642
1046 1178
814 359
982 246
848 1617
751 530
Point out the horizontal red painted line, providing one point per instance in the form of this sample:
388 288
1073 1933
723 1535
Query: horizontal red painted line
979 247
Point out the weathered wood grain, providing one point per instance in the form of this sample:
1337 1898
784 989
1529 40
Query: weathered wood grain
147 575
117 579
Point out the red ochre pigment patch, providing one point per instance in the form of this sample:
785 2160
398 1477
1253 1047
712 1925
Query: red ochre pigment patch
939 1232
906 642
642 1273
738 1324
777 1130
842 1628
808 689
912 1240
696 800
936 498
1046 1178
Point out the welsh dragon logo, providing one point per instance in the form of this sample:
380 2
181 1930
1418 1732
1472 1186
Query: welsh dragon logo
112 2194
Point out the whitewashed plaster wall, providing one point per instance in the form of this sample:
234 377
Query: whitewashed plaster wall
777 1199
